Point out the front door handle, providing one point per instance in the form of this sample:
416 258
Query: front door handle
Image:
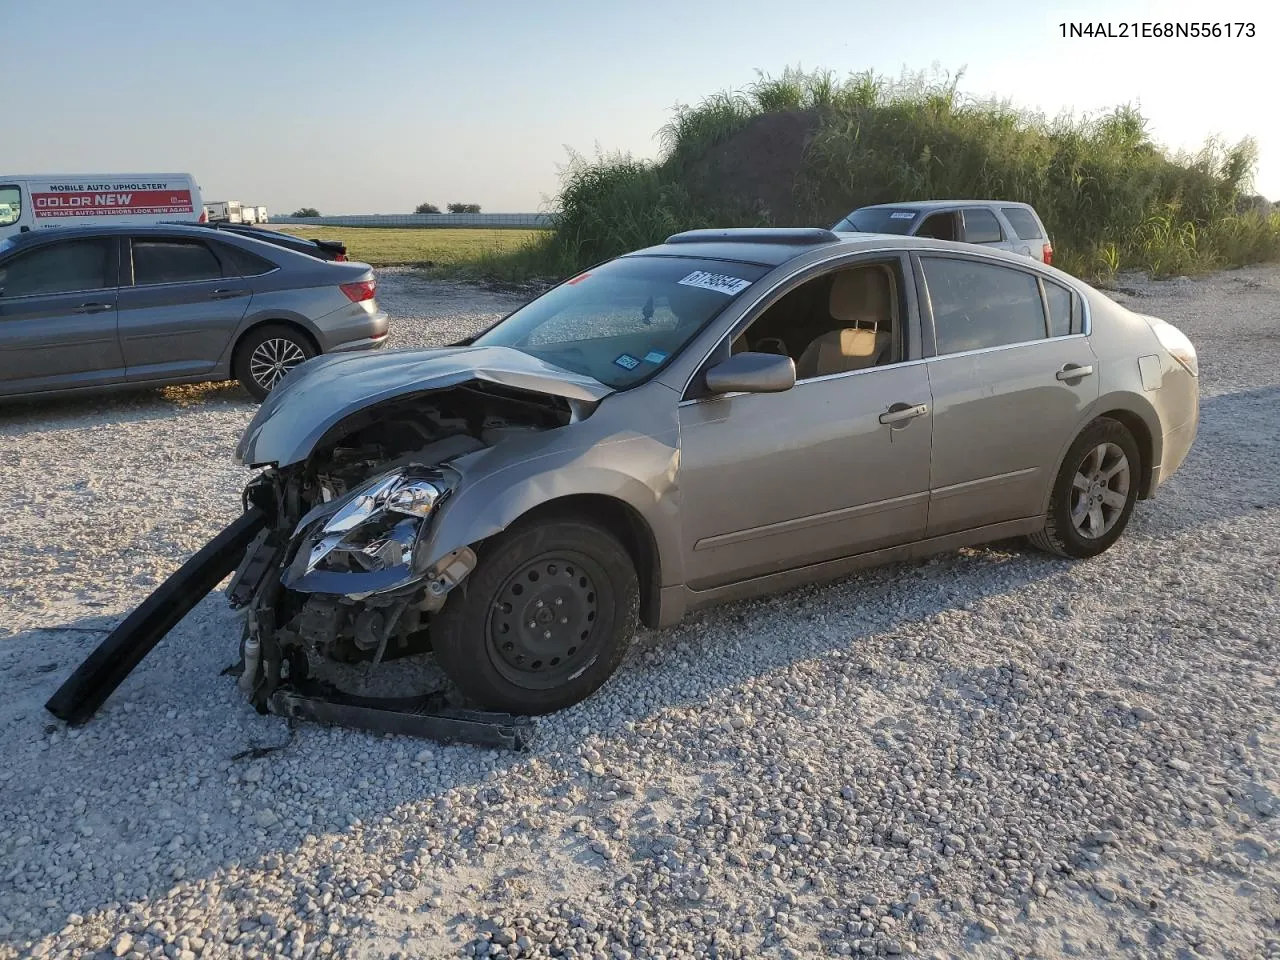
226 294
902 412
1075 371
94 307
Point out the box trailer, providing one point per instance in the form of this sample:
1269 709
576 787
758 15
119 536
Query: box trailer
228 210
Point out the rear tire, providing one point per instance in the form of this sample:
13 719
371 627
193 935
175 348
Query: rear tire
267 354
544 619
1094 493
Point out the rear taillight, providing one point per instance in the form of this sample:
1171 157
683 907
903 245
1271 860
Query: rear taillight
340 258
204 216
1177 343
1046 254
359 291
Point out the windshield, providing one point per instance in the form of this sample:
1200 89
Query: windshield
878 220
622 321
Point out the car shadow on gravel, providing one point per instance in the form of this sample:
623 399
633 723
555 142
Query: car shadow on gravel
23 415
182 730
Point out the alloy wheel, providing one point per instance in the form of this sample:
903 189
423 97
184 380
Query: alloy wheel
1100 490
272 359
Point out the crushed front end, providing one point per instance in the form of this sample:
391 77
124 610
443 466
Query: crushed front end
341 573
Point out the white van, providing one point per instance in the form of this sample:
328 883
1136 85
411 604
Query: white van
39 201
262 215
248 214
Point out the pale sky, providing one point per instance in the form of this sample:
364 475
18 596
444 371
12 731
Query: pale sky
375 107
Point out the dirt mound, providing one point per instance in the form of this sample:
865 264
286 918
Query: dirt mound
755 170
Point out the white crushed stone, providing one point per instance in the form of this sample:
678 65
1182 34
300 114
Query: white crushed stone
994 753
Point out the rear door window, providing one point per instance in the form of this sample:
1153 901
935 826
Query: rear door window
939 226
173 261
10 204
981 305
66 267
981 226
1023 222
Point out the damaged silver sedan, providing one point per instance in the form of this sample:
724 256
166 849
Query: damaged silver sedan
726 414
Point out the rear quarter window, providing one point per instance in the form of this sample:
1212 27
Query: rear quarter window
1062 310
246 263
1023 223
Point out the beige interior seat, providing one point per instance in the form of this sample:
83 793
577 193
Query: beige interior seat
861 301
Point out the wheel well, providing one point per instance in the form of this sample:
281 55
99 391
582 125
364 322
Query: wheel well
624 522
291 324
1142 437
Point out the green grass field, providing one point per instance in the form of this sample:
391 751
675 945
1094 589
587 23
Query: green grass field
449 250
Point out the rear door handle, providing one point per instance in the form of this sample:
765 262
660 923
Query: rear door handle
1075 371
226 294
94 307
902 412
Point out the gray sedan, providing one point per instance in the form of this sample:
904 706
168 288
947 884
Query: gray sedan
118 306
724 415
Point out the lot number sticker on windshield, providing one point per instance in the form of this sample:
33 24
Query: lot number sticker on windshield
627 362
729 286
901 215
654 356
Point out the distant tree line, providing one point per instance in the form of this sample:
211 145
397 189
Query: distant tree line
306 212
452 208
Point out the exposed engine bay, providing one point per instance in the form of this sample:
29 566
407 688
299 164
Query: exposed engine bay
337 573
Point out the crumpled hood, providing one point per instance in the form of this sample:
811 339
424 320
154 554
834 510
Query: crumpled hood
326 389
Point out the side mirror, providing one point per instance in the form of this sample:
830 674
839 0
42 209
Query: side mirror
752 373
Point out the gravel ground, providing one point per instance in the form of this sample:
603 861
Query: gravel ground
993 753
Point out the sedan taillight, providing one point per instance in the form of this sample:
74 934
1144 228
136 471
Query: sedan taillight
1046 254
339 258
359 291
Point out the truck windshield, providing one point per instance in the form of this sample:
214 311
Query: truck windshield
621 322
878 220
10 205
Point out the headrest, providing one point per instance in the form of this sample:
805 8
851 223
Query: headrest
861 296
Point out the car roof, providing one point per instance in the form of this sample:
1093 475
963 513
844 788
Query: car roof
763 246
111 230
771 247
935 204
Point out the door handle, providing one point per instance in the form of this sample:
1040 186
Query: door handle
1075 371
226 294
902 412
94 307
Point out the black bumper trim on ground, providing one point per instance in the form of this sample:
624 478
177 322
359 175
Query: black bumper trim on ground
97 677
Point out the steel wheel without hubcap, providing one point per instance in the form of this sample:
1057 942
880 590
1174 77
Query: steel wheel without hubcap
272 359
1099 490
543 627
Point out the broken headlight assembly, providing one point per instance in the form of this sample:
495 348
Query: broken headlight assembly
365 542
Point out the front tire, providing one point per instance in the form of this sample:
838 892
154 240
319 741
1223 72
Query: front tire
1094 493
544 619
267 355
